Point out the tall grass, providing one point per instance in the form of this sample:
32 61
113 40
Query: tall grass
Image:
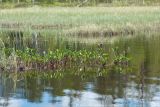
74 19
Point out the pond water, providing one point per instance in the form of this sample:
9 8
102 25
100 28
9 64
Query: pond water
71 88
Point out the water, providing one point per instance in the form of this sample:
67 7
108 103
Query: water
73 88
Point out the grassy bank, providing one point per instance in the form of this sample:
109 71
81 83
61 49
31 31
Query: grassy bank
76 3
74 20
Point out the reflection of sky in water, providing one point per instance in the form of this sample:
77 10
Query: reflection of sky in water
88 99
132 94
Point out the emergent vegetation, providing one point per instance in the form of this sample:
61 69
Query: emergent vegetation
29 59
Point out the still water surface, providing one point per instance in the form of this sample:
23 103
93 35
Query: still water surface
68 89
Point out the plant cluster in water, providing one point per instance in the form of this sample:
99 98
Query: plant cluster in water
29 59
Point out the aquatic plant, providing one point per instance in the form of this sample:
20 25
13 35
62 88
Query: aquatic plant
121 61
29 59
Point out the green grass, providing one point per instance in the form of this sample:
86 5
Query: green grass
86 19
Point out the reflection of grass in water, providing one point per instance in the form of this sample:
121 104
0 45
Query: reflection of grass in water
2 54
91 19
89 40
60 74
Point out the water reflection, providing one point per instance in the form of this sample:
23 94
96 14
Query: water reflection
71 88
30 89
47 40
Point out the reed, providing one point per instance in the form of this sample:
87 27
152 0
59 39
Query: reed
74 20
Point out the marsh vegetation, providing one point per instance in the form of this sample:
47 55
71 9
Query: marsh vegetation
85 21
64 56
